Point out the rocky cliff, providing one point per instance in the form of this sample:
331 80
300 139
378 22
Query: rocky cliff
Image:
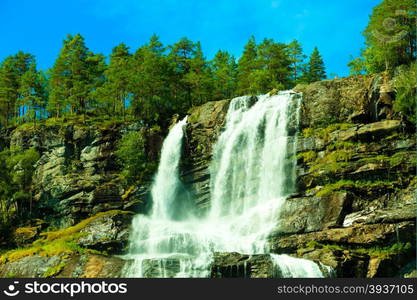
354 208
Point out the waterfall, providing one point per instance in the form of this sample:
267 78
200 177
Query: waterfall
161 243
252 172
290 267
167 184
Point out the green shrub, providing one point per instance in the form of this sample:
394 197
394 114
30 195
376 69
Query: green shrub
405 87
131 156
307 157
17 167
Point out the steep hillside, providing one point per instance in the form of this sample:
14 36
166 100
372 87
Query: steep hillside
354 208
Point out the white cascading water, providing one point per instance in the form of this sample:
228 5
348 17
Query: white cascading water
251 175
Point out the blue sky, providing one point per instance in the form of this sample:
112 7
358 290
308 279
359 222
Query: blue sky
39 26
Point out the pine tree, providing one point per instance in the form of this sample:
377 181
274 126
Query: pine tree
11 71
390 37
224 70
297 57
314 70
77 72
113 95
247 65
32 93
199 78
274 67
149 82
180 57
8 90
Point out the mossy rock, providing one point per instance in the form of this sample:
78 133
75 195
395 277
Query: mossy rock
60 242
25 235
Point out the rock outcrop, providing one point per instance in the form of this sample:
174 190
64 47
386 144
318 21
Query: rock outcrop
77 173
203 128
235 265
351 99
82 250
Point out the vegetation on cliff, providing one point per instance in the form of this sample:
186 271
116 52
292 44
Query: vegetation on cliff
390 46
17 167
60 242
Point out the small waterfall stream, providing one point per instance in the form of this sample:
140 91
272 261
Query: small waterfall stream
251 175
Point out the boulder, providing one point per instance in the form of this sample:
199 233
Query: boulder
233 265
307 214
25 235
109 233
152 268
73 266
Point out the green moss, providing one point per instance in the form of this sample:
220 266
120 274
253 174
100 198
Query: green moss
50 236
47 249
314 244
341 145
374 159
324 132
364 187
108 124
11 275
128 192
55 270
392 161
375 251
393 136
307 157
194 114
156 129
199 148
402 157
379 251
332 162
339 186
60 242
29 126
308 132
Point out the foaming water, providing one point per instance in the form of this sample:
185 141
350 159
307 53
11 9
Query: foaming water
251 175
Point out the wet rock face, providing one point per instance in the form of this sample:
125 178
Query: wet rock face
344 263
236 265
203 128
161 268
